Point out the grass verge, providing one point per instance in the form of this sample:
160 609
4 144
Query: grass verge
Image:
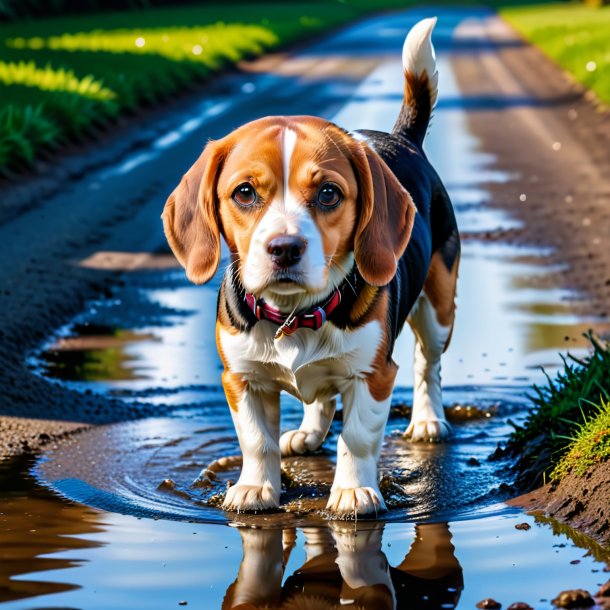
564 429
64 79
574 35
590 445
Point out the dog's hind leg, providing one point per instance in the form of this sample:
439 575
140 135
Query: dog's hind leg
432 320
316 422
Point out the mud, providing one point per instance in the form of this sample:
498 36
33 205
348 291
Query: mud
580 501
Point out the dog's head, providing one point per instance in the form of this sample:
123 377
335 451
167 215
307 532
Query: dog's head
297 200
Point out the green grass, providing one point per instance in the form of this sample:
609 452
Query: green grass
574 35
62 79
564 410
590 445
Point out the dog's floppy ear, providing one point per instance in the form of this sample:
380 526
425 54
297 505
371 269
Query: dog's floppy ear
386 218
190 216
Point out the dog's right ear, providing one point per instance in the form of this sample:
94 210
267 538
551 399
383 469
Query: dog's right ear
190 216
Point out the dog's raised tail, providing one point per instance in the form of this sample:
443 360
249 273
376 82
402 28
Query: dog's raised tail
421 81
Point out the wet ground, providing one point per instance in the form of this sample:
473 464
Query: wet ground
110 517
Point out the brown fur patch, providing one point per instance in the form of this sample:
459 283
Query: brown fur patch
234 385
363 303
440 288
381 379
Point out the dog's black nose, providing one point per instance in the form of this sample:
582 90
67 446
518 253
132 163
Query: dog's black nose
286 250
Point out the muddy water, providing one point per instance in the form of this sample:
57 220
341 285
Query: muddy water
111 519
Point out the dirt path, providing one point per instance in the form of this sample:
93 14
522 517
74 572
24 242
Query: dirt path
554 139
546 133
74 245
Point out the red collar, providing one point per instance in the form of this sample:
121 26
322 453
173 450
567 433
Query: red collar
313 318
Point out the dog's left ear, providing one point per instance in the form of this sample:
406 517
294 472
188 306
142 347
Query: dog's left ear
190 216
386 218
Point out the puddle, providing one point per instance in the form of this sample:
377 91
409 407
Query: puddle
79 557
153 540
149 466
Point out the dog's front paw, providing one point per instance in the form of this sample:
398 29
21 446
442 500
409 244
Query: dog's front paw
428 430
241 497
355 501
298 442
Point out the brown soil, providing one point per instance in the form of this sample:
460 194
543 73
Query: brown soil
553 138
579 501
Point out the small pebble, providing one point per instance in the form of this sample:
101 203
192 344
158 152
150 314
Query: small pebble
574 598
167 484
473 462
575 562
183 603
489 604
523 526
519 606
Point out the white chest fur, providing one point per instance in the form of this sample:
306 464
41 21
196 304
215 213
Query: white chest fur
309 364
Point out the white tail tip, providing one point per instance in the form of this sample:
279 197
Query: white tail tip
418 55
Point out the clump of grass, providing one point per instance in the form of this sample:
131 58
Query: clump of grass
50 79
210 45
45 107
574 35
560 409
24 130
590 445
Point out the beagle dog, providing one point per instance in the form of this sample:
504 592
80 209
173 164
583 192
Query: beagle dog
336 239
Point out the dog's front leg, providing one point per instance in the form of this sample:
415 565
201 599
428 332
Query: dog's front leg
256 416
355 489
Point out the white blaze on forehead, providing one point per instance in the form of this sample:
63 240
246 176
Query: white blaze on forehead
288 144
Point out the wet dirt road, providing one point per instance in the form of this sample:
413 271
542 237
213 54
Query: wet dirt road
94 523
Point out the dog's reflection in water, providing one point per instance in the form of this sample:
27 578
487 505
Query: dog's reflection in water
346 568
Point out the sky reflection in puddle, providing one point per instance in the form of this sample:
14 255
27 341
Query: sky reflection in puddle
116 561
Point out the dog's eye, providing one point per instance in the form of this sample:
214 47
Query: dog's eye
245 195
329 195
